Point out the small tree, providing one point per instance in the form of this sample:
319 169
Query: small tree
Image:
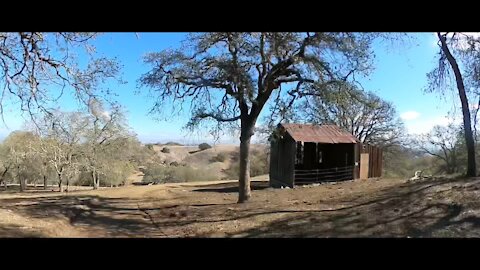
220 157
5 164
103 129
61 134
442 143
204 146
18 155
149 146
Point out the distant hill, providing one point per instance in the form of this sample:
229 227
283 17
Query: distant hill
174 143
194 157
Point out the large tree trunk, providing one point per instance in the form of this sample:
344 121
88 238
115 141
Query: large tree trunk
467 125
244 192
95 179
3 178
44 182
60 183
23 186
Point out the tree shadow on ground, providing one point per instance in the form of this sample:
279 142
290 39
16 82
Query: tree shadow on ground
399 211
231 187
14 231
51 189
404 211
104 217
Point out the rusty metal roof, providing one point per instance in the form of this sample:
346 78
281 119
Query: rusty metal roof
319 133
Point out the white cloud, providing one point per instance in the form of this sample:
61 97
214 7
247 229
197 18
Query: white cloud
420 126
410 115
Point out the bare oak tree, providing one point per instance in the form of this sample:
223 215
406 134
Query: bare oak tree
364 114
37 68
229 77
103 128
61 134
5 164
18 151
442 143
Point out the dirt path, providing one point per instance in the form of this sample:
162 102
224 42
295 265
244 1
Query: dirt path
375 207
16 225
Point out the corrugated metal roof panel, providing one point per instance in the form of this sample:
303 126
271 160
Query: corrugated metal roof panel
319 134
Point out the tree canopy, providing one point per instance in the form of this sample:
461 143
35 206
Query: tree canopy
229 77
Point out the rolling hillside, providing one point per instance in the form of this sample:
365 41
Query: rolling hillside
193 157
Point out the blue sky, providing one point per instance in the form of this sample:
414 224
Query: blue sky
399 77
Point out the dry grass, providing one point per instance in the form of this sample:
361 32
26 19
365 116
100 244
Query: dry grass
191 156
363 208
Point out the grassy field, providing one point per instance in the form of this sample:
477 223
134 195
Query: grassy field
361 208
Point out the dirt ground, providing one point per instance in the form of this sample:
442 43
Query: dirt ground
361 208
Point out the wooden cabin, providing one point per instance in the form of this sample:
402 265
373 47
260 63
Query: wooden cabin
305 154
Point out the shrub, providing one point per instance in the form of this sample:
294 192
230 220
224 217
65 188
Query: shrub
115 174
149 146
189 174
204 146
401 162
155 174
221 157
233 171
171 174
165 150
259 164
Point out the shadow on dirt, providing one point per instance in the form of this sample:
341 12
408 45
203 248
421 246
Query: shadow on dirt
14 231
405 211
231 187
399 211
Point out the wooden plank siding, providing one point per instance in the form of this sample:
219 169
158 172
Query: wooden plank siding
375 161
282 162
